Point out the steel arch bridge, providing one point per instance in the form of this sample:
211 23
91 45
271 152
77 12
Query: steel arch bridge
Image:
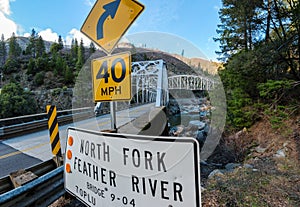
150 82
190 82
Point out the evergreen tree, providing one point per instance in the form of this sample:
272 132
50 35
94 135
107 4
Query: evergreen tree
40 47
68 76
2 51
74 49
240 25
14 101
60 65
31 69
60 42
31 47
92 48
80 57
14 48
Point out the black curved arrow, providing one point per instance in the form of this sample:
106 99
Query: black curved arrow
110 10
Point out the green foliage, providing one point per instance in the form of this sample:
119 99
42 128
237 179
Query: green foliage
11 65
56 91
39 78
31 47
31 67
14 101
55 47
2 51
14 48
239 21
274 89
68 76
40 47
60 65
92 48
74 49
80 56
60 43
240 114
37 65
277 116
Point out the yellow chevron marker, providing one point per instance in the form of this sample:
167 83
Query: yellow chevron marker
53 130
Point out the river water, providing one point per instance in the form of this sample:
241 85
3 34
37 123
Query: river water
189 117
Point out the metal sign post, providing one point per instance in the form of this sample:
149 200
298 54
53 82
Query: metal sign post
106 23
113 116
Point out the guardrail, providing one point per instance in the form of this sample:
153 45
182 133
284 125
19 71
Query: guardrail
41 116
37 122
40 192
21 125
39 170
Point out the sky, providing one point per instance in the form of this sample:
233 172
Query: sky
190 22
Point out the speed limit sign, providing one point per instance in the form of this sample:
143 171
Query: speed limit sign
111 77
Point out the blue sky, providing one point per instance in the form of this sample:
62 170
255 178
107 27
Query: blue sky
194 21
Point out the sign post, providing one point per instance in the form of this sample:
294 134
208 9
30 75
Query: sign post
104 169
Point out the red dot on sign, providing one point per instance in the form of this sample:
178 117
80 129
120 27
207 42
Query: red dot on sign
68 168
70 141
69 154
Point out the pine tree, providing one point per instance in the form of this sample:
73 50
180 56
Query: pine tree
40 47
92 48
14 48
80 57
60 42
74 49
2 51
68 76
31 47
240 25
31 69
60 66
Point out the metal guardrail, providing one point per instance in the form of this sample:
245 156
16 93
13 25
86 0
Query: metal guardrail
39 170
40 192
12 127
42 123
41 116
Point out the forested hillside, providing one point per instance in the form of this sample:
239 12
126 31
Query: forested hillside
31 64
260 50
35 72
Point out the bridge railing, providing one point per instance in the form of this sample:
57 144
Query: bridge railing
11 127
150 82
190 82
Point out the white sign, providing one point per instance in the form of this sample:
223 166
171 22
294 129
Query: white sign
113 170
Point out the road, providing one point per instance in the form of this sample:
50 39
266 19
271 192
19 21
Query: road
27 150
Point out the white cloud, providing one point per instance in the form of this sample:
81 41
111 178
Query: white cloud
26 34
4 7
75 33
49 35
7 26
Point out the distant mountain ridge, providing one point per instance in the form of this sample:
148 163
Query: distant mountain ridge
206 65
